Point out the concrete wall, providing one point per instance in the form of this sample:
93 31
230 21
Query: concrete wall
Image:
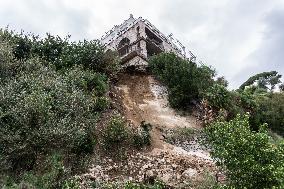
128 29
138 62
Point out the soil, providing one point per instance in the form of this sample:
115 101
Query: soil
145 99
138 98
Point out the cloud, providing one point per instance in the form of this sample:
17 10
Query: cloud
222 34
269 54
238 38
45 16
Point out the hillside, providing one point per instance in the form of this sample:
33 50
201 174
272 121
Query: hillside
72 117
177 163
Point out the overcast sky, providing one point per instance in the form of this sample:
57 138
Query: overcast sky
237 37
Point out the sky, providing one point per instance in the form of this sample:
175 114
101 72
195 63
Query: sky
239 38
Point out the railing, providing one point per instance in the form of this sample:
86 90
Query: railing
157 43
132 49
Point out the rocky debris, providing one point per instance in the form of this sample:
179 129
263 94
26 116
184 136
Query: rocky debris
141 98
189 172
170 167
188 144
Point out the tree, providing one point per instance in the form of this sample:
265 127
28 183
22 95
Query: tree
263 80
281 87
222 81
249 158
270 110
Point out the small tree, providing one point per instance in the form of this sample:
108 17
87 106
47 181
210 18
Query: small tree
222 81
249 158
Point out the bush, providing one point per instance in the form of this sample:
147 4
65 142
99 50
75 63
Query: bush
51 94
218 97
142 136
271 110
53 175
115 133
185 80
62 53
42 110
101 103
249 158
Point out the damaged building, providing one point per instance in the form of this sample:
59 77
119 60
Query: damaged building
137 39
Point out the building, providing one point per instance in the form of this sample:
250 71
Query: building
137 39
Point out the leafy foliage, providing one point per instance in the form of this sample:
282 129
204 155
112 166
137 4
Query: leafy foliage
281 87
142 137
185 80
249 158
42 110
54 175
101 103
51 95
271 111
222 81
115 133
62 53
263 80
218 97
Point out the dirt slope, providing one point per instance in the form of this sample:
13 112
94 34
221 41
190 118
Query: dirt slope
145 99
183 165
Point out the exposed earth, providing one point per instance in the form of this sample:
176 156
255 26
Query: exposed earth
179 163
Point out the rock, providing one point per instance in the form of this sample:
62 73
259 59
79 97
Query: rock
174 166
98 167
189 172
150 177
166 177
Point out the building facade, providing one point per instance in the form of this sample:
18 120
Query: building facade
137 39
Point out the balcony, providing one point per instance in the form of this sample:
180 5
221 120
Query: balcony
128 52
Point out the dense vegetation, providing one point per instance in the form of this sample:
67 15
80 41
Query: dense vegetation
250 159
185 80
51 95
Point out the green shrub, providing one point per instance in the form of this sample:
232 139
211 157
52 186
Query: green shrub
62 53
48 103
53 175
101 103
43 110
115 133
218 97
270 110
142 137
249 158
185 80
71 184
40 113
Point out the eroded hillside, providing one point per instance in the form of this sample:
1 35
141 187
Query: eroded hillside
175 155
